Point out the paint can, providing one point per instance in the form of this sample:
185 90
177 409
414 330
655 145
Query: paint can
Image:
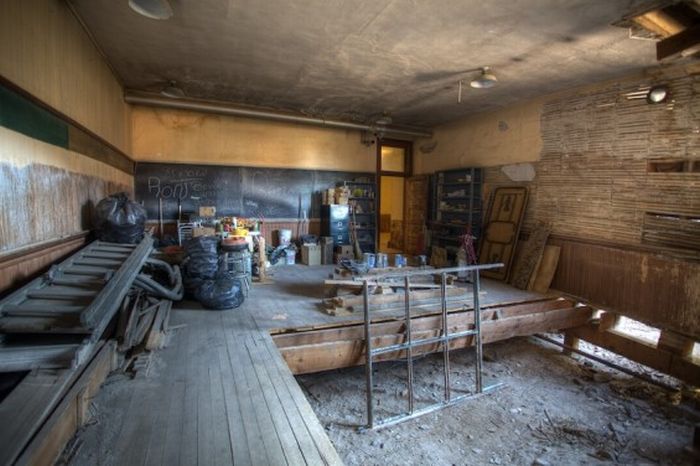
369 259
381 261
398 260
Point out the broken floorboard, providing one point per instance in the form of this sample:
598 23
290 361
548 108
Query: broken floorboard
343 345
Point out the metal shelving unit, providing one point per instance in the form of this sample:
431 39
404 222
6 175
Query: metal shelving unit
457 206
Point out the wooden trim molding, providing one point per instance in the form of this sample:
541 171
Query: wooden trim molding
22 265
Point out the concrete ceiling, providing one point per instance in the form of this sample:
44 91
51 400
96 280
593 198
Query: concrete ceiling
352 59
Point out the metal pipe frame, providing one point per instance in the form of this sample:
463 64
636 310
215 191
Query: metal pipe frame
444 338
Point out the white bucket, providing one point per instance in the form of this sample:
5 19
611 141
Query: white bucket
291 256
285 236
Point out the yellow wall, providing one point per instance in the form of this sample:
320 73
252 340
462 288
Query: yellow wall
45 51
506 136
178 136
47 192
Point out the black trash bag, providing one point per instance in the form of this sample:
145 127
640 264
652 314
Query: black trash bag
202 245
120 220
223 292
202 258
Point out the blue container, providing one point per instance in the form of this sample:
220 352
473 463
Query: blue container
369 259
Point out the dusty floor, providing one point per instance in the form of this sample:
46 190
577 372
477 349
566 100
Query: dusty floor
552 410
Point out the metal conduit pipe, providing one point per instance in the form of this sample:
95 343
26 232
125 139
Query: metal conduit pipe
223 109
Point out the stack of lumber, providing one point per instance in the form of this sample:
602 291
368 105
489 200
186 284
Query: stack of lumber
389 299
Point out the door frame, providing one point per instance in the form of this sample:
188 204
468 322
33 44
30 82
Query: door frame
407 146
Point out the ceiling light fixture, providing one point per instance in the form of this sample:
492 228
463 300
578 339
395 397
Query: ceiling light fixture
173 91
154 9
485 80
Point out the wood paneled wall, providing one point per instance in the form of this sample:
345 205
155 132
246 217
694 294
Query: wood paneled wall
20 266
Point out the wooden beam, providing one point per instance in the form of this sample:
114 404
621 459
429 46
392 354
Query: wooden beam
347 349
685 41
640 351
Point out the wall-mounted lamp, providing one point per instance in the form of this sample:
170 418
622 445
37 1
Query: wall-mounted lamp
657 94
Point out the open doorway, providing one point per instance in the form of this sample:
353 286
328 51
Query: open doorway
393 165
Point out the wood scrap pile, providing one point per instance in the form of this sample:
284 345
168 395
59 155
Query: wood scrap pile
143 322
344 292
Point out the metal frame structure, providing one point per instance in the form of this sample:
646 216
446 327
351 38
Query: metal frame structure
445 338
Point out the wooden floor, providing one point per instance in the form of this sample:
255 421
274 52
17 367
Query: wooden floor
220 393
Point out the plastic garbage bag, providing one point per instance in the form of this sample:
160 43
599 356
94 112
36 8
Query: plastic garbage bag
223 292
202 258
120 220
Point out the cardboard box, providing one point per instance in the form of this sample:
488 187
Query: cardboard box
311 254
209 211
203 231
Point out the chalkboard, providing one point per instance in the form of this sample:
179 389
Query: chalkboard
235 191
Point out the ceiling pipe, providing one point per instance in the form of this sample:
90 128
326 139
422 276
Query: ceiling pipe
223 109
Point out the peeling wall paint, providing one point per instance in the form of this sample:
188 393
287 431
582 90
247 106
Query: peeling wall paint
47 192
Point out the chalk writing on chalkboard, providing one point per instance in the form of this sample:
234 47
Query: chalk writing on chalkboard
235 191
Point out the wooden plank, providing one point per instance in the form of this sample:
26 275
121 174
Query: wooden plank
641 351
355 330
314 427
60 427
530 256
675 343
253 396
238 435
546 269
287 404
253 432
25 409
348 352
285 434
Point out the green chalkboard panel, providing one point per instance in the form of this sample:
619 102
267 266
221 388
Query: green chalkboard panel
24 116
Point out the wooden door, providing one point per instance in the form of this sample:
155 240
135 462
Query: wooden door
415 214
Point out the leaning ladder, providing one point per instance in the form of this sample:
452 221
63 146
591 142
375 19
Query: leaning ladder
409 344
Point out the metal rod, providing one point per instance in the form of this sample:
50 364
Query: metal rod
605 362
477 327
409 341
464 268
368 355
422 342
445 338
434 407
